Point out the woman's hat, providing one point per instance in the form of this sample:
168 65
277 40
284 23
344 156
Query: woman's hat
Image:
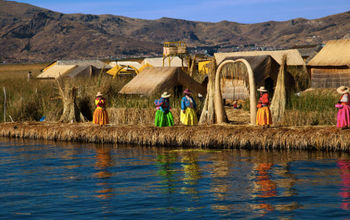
262 89
99 94
343 89
165 95
187 91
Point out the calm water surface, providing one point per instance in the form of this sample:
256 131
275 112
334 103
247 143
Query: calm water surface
43 180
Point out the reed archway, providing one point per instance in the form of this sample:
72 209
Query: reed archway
218 103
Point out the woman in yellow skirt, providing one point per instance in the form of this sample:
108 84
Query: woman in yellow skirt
263 116
100 116
188 114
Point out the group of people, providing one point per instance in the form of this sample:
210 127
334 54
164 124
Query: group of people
164 117
263 116
188 116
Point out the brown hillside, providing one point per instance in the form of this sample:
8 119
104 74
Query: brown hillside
29 33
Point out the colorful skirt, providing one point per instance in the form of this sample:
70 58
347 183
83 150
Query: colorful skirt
100 116
163 119
263 116
189 117
343 119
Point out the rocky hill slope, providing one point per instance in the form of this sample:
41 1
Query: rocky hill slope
29 33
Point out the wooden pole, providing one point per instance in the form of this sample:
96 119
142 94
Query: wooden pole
4 89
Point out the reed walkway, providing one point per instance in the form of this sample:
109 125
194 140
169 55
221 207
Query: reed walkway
325 138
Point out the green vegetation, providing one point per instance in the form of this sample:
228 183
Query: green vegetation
315 107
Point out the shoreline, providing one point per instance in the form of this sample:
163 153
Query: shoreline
323 138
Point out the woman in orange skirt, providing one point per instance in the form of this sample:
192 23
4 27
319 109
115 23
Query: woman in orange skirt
100 116
263 116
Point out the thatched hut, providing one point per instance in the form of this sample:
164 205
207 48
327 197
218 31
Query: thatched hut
296 72
154 80
330 68
73 68
235 78
55 71
293 56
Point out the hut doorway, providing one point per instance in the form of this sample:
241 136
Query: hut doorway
269 84
239 75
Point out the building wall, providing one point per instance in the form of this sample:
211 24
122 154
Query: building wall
330 77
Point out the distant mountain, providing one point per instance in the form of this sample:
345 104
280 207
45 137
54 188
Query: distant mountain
29 33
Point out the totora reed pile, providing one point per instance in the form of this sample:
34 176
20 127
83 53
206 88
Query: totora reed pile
326 138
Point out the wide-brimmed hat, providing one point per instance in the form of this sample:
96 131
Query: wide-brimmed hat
99 94
262 89
343 89
187 91
165 95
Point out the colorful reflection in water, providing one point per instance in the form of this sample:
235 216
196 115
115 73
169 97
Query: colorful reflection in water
79 181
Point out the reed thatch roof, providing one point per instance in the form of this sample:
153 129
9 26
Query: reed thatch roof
81 71
334 53
262 66
293 56
96 63
56 71
159 79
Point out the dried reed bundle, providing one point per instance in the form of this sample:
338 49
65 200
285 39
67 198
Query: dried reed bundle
326 138
279 100
208 111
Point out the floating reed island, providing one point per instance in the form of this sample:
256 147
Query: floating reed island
325 138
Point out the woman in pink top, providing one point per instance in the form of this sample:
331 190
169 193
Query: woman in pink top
343 119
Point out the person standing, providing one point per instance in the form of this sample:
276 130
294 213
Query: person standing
100 116
343 119
263 116
188 114
163 118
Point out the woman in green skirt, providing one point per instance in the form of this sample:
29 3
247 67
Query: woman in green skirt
164 117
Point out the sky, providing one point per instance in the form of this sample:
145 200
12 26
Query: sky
241 11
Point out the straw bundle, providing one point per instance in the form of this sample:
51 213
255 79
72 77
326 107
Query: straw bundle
327 138
208 112
279 100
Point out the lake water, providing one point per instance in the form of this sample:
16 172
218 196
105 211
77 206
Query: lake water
43 180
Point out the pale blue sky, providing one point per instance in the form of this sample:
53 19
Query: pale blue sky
242 11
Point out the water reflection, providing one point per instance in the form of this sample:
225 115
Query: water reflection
191 171
344 165
273 180
103 162
265 187
165 163
147 182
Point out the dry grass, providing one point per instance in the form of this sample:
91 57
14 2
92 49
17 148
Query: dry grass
29 101
137 116
327 138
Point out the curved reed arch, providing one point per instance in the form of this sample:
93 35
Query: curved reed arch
125 67
219 109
